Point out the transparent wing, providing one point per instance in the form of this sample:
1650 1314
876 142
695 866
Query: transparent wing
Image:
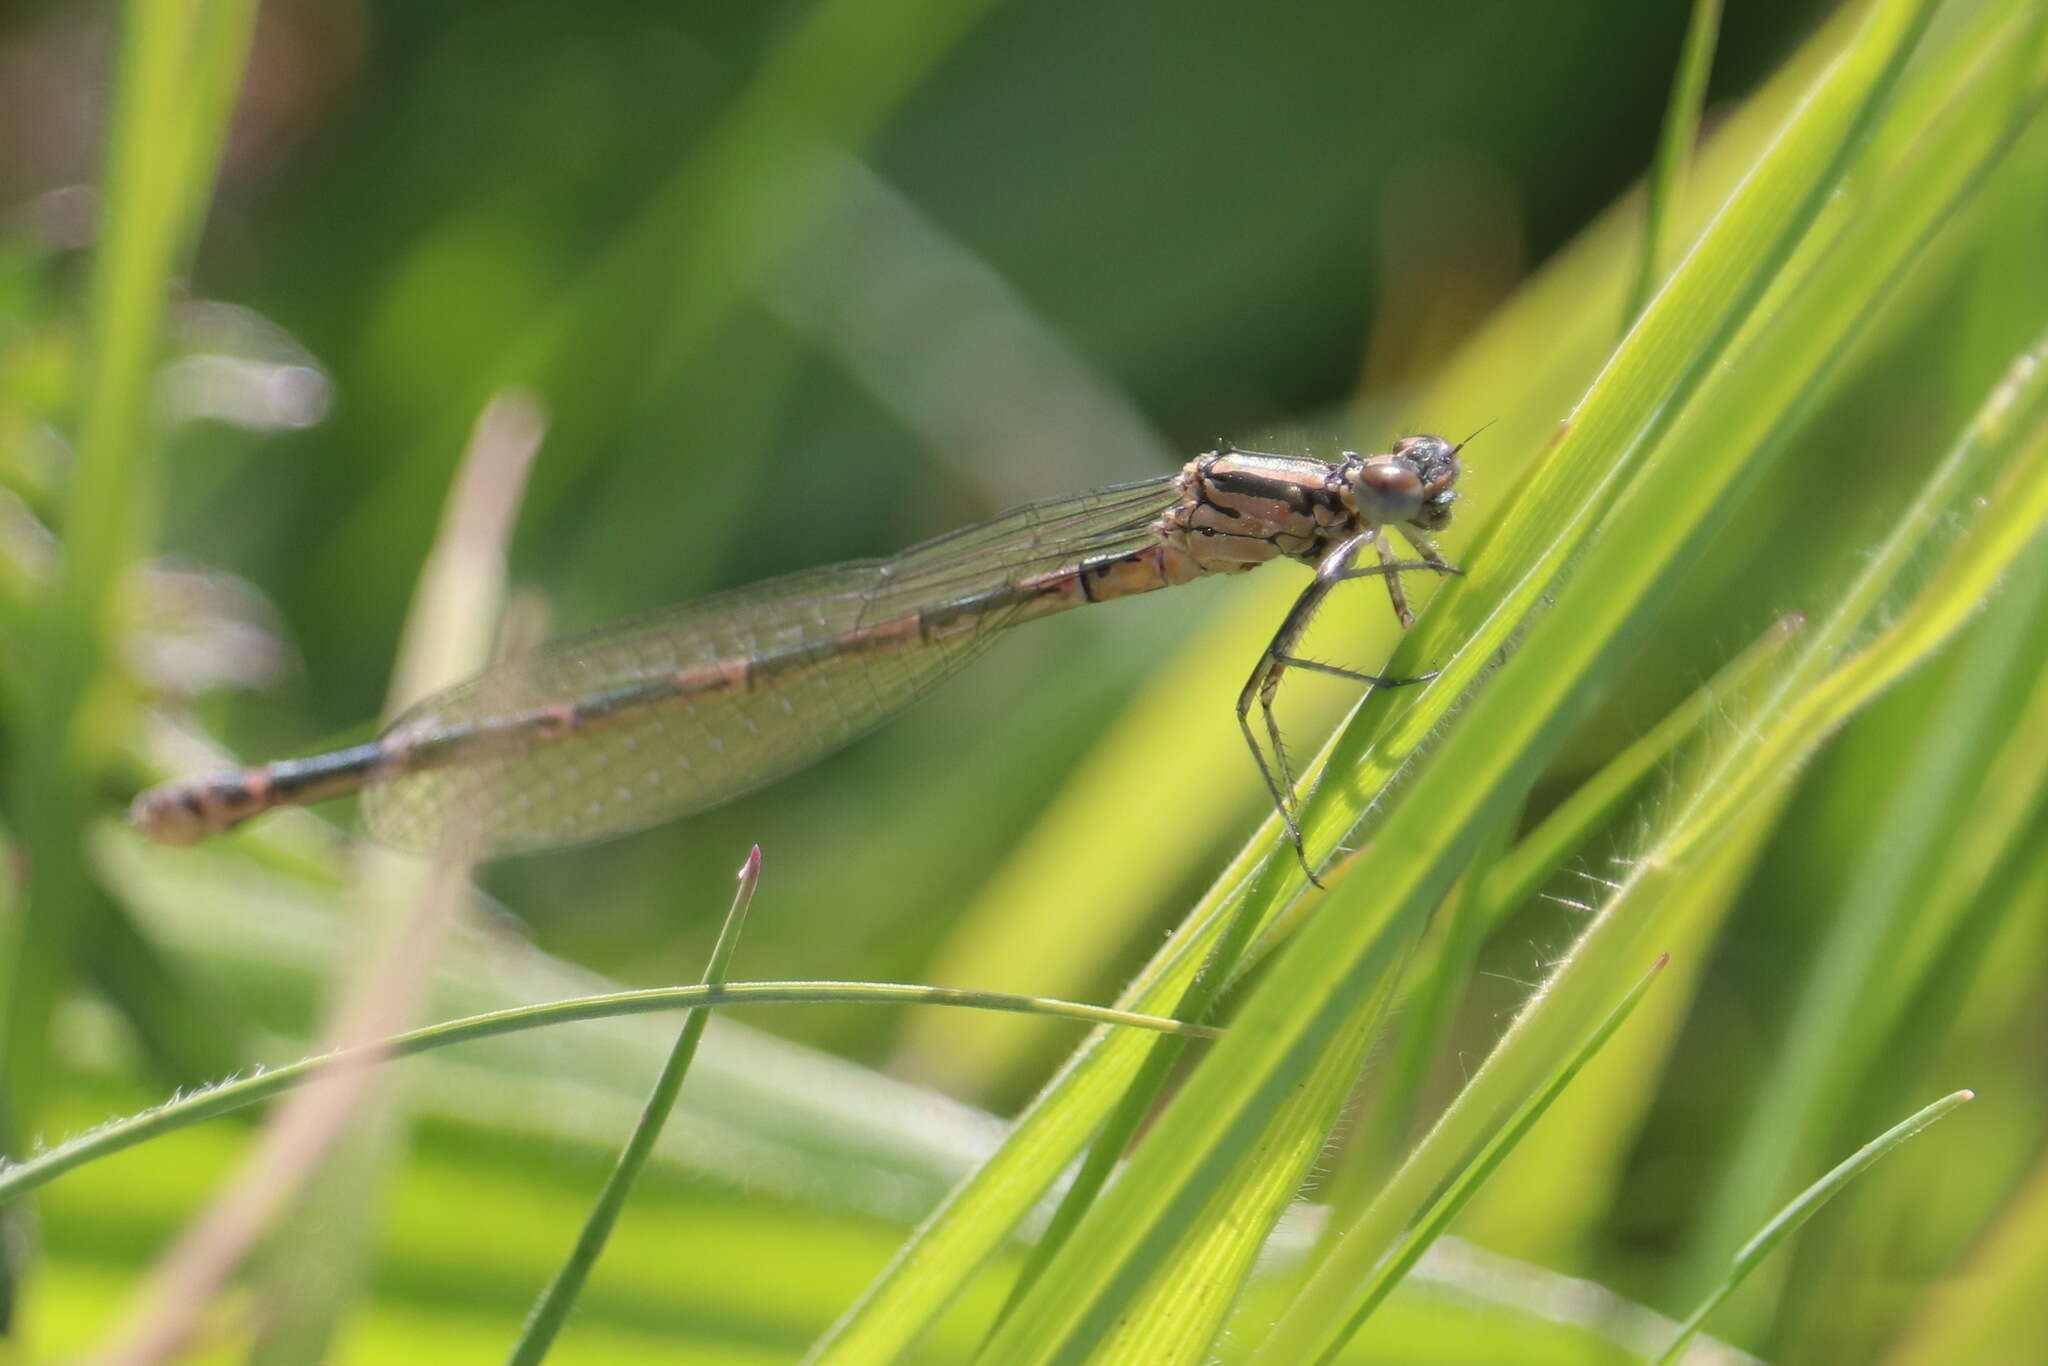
686 754
1022 543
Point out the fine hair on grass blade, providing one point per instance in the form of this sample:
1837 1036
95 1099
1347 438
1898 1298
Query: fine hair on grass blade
1484 1163
1809 1201
1538 854
551 1310
19 1178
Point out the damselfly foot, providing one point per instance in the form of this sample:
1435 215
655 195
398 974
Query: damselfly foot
1340 565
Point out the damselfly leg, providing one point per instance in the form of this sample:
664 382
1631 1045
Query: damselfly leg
1339 566
1391 572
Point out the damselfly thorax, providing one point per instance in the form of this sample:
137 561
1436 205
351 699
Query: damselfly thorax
657 717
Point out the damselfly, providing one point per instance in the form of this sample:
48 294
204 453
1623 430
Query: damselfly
679 711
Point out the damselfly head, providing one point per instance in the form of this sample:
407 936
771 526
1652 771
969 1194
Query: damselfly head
1411 483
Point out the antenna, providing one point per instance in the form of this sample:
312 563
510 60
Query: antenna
1468 440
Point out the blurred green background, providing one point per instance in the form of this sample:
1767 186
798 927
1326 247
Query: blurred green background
1044 247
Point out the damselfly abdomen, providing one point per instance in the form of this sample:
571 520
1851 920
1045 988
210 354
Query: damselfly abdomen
684 709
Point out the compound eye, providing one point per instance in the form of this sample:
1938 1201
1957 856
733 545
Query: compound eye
1389 489
1391 478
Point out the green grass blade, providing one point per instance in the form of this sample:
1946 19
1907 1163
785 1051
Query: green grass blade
1177 1318
1505 883
2000 1295
1435 985
552 1309
1521 871
1139 1098
1950 978
1674 148
1788 1220
1560 1178
177 72
1104 1153
1976 898
19 1178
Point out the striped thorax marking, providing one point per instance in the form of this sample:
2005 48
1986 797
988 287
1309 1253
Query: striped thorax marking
1239 509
